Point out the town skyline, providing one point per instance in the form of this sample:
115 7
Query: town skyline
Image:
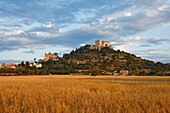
28 29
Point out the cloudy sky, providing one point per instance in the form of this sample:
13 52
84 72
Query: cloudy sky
29 28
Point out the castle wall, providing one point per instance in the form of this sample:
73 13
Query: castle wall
105 44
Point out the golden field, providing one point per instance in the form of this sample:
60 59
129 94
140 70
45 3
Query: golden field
84 94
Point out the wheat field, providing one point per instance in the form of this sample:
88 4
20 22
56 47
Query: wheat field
84 94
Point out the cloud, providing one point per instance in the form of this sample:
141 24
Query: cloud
153 54
30 51
163 7
9 61
36 25
144 39
158 56
168 1
49 25
128 14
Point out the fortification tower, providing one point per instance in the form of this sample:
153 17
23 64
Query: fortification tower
98 44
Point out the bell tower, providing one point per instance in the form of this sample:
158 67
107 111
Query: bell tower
98 44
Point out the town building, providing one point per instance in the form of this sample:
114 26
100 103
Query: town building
37 65
51 56
12 66
3 65
124 72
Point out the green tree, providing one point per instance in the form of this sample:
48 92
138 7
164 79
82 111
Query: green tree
22 64
27 65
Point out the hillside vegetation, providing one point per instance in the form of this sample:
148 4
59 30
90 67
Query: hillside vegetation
109 60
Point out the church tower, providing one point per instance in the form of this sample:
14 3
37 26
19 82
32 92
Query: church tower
98 44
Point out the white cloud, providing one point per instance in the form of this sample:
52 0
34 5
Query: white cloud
137 38
49 25
168 1
152 13
82 44
60 30
128 14
37 33
24 39
156 38
166 24
122 47
113 43
163 7
14 32
17 32
144 39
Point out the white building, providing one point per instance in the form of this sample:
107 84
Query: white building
38 65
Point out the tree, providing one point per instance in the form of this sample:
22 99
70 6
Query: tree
113 58
40 61
95 72
35 60
22 64
27 65
104 53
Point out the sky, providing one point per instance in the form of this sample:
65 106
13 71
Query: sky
29 28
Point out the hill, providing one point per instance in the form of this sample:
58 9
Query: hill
89 60
106 61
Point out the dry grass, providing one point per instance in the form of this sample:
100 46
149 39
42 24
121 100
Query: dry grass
80 94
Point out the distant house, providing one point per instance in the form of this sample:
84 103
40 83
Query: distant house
11 65
116 74
30 64
124 72
3 65
37 65
80 62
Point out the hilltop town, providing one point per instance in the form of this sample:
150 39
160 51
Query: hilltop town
98 59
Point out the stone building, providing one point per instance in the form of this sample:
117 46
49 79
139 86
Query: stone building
99 44
11 65
124 72
51 56
91 47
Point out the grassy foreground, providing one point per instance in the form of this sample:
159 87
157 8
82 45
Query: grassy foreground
80 94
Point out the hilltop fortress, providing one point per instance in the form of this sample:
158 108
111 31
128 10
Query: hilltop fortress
99 44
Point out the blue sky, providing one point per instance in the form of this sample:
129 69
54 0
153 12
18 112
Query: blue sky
29 28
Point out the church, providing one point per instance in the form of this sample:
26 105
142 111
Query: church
51 56
99 44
